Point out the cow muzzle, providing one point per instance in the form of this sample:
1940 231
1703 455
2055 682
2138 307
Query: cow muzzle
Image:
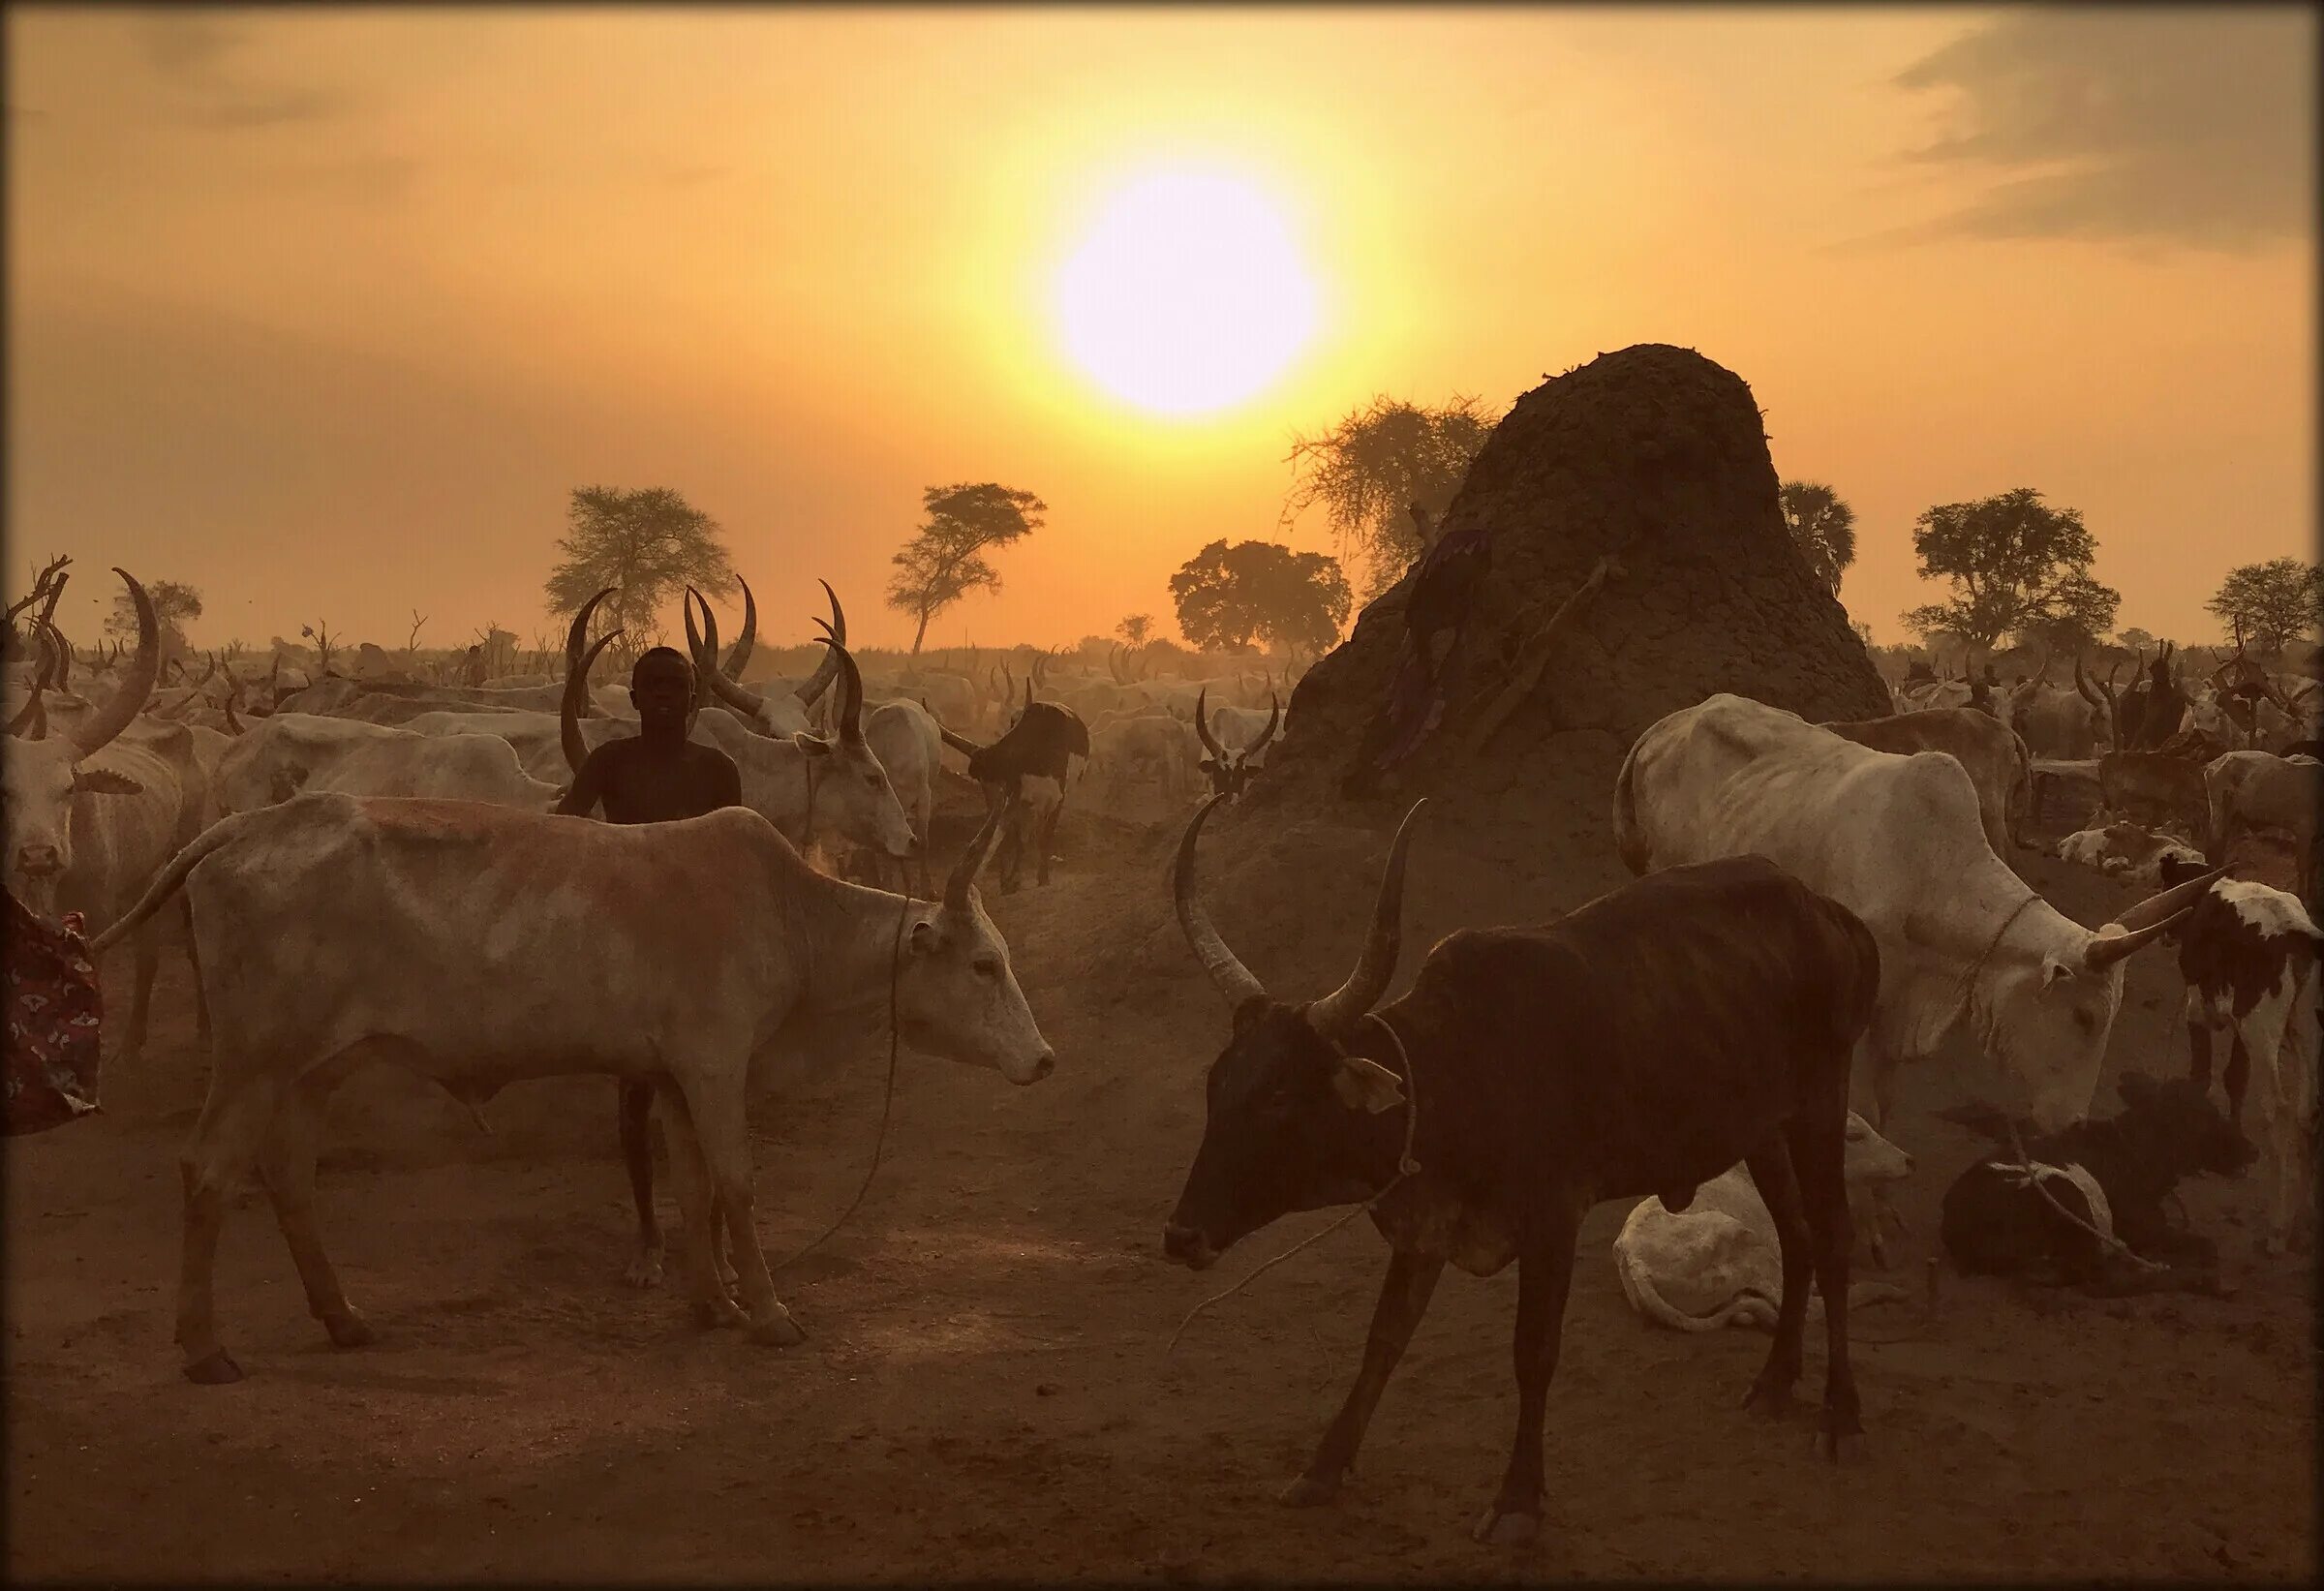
1189 1247
40 862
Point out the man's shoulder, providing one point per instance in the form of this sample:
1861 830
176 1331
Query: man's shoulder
707 756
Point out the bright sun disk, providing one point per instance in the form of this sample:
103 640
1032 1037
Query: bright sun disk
1186 296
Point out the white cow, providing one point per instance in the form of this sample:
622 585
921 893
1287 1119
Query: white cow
478 946
1899 841
1718 1262
94 809
1153 749
2125 851
290 753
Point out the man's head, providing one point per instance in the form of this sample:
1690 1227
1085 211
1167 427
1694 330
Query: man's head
661 687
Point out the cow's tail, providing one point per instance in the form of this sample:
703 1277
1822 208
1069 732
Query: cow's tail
1637 1286
165 884
1629 839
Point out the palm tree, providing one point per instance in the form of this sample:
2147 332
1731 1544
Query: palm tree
1823 527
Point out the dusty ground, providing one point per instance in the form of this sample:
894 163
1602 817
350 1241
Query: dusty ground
984 1392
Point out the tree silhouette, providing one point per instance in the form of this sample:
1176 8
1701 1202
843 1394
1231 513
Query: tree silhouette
1228 595
647 545
945 560
1372 468
1822 527
2014 563
2273 601
1135 629
173 603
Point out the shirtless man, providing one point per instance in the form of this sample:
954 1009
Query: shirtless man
658 775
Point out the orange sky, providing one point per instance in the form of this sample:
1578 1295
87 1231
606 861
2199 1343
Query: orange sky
327 312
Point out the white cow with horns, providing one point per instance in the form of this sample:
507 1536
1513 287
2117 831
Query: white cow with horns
1898 842
478 946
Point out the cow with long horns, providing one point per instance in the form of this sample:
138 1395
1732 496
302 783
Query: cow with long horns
1642 1044
1231 768
478 946
94 809
1040 745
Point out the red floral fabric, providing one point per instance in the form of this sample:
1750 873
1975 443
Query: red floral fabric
54 1013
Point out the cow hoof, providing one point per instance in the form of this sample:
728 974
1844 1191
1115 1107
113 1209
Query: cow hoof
710 1314
1507 1527
1767 1398
777 1331
215 1369
1309 1490
348 1330
643 1273
1845 1449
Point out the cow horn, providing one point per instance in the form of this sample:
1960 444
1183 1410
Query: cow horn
811 689
973 860
1233 978
129 699
709 680
2156 915
1201 722
852 695
958 743
1334 1015
568 710
64 654
1274 716
233 695
573 640
1029 691
741 654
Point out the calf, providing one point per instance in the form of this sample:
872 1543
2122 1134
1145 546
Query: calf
2250 953
1719 1262
2113 1174
2126 850
1642 1044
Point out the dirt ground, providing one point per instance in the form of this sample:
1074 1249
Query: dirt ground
984 1392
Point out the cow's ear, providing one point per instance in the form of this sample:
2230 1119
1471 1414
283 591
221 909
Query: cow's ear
104 782
927 937
2055 971
1366 1084
813 746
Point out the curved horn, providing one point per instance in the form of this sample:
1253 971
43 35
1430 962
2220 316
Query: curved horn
973 860
569 713
129 699
2149 920
1233 978
707 678
852 695
811 689
573 639
233 695
1335 1014
958 743
1028 690
64 654
741 653
2082 687
1274 717
208 673
32 719
1201 722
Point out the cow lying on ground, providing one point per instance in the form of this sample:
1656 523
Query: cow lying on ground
1641 1044
2113 1174
478 946
1719 1262
2125 850
2250 953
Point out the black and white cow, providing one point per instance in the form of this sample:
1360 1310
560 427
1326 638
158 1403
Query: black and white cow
1642 1044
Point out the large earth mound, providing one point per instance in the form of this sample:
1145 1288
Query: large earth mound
1654 455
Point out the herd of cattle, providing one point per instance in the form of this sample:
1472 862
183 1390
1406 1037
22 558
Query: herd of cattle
368 870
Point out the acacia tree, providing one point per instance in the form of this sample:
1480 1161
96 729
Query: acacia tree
1375 467
173 603
2273 601
647 545
1228 595
945 559
2014 565
1822 527
1135 629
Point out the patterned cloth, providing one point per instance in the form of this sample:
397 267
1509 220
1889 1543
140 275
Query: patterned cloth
54 1010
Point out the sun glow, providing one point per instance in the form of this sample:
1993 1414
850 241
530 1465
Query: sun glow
1188 294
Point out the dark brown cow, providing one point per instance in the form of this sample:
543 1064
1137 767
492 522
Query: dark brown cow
1642 1044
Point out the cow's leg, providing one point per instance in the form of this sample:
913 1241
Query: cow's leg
202 1000
709 1301
145 946
1049 838
1544 1276
1869 1205
636 1109
1819 1157
723 1134
1772 1172
286 1166
1403 1298
233 1122
2238 1074
2198 1039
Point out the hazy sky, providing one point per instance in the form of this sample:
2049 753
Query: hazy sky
327 312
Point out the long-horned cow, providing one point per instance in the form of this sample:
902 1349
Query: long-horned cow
1642 1044
478 946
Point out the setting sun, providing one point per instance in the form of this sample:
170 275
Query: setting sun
1186 295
